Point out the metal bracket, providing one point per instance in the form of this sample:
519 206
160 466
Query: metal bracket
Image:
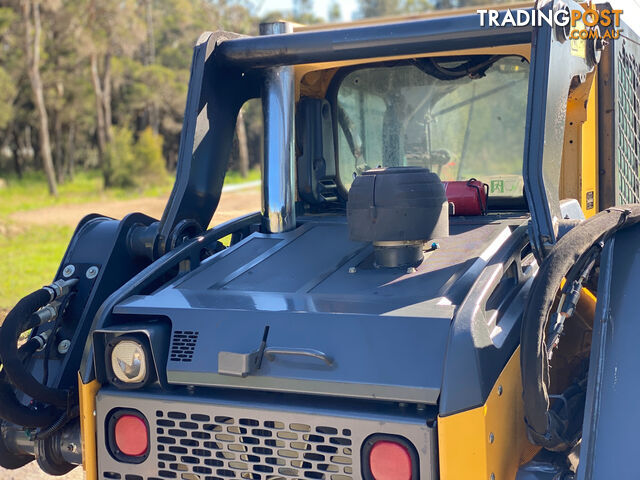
242 364
238 364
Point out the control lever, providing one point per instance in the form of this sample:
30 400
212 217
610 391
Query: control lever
263 345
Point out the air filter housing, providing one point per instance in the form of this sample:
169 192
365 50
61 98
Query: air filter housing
397 209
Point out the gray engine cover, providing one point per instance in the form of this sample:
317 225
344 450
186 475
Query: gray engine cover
385 329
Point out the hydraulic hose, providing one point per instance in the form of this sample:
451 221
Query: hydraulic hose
556 428
15 412
28 349
19 319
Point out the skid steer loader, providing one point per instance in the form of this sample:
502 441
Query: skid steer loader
441 282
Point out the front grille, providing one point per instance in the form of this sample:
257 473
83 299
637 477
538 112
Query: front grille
204 447
261 437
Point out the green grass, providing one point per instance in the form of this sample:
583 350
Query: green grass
30 260
29 256
234 177
31 192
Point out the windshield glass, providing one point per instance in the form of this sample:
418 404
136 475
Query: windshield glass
434 114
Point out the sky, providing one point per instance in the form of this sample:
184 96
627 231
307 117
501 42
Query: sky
631 12
631 9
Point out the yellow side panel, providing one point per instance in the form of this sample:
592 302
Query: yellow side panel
570 183
490 439
579 175
589 173
87 393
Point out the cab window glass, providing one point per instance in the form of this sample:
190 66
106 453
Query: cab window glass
424 113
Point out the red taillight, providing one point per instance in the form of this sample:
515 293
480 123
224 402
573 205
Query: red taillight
390 461
131 435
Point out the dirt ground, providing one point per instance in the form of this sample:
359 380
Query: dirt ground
32 472
234 202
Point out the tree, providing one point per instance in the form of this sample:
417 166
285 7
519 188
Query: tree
335 13
446 4
33 32
377 8
152 111
113 28
302 9
104 65
243 146
67 84
7 86
384 8
102 89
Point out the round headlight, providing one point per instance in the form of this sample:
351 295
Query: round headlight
129 362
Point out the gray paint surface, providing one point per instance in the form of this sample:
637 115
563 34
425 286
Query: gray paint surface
386 329
612 417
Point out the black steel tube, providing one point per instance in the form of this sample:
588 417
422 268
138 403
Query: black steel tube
370 41
12 455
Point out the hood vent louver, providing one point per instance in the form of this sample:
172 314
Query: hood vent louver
183 344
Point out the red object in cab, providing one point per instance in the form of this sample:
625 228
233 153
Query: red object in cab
467 197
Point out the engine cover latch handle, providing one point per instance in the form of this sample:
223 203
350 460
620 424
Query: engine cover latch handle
271 353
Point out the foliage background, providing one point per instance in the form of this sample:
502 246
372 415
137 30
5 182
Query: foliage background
92 94
112 74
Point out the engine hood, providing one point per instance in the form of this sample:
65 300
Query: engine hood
384 331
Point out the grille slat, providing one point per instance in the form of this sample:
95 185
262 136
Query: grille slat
247 448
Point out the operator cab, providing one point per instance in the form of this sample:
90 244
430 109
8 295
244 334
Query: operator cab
462 117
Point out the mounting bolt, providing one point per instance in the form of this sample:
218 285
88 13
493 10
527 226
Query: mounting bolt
411 270
491 437
499 390
92 272
63 347
435 245
352 270
68 271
